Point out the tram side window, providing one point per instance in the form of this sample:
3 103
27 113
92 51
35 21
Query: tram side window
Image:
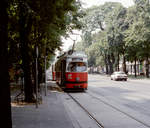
77 67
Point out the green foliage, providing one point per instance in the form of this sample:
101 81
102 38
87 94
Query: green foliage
103 31
112 32
138 34
49 20
38 23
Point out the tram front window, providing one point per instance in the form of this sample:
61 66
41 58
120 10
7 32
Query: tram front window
77 67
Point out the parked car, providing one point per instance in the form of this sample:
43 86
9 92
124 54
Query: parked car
119 76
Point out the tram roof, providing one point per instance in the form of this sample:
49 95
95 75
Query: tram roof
73 54
77 54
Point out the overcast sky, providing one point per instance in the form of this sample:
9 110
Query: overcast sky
89 3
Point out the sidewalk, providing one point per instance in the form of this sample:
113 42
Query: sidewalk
50 114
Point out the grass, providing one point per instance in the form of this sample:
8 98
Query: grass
138 77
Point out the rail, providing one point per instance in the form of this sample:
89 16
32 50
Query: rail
88 113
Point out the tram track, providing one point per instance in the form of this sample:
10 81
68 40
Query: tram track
99 124
117 109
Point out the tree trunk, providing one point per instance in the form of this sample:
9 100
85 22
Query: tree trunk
135 67
24 31
34 76
147 67
5 106
110 64
124 64
107 70
138 68
41 72
131 68
106 63
111 68
118 62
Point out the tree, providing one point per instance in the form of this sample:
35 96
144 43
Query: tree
138 32
105 24
39 23
95 20
124 31
4 77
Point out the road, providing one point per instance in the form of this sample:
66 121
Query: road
115 104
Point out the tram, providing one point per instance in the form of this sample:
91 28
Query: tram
53 73
71 71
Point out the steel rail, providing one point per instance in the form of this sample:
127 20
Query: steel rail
128 115
88 113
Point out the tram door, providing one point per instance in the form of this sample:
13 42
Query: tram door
63 71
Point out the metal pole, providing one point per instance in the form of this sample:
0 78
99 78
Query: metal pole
45 78
36 77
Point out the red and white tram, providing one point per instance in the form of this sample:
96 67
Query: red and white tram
53 73
71 70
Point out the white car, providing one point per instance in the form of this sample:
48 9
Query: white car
119 76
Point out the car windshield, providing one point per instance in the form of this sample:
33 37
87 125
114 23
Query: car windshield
119 73
77 67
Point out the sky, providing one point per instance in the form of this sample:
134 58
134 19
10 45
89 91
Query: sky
86 4
89 3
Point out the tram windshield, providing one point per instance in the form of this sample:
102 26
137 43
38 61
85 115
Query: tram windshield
77 67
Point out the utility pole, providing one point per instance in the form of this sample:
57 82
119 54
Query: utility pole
45 77
37 52
45 70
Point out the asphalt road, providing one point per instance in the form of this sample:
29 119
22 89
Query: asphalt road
115 104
